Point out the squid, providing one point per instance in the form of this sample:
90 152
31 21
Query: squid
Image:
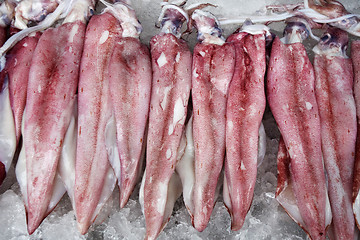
244 111
129 75
50 103
355 56
212 71
115 68
33 11
7 12
333 13
94 177
334 95
301 189
171 84
15 77
7 140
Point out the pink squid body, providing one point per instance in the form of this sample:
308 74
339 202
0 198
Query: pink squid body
94 177
334 93
14 79
291 96
245 108
130 88
355 55
171 62
17 69
213 68
51 93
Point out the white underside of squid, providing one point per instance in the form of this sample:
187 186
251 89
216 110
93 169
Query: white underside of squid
7 128
111 146
356 207
66 165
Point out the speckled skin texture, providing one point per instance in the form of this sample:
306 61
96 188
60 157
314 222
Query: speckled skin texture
94 112
18 62
129 76
53 80
291 96
171 63
213 68
355 56
334 94
245 108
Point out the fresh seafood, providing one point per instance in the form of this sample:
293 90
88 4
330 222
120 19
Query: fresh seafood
7 137
97 124
15 80
333 13
129 76
171 84
291 94
334 95
212 71
7 8
33 11
52 85
244 111
355 56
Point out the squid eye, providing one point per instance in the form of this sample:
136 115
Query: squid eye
42 16
326 38
177 22
92 12
344 23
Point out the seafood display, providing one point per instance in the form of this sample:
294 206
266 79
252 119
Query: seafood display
88 102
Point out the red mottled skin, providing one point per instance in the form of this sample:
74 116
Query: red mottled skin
291 96
130 88
171 62
53 80
18 62
334 94
355 56
94 111
3 35
245 108
213 68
